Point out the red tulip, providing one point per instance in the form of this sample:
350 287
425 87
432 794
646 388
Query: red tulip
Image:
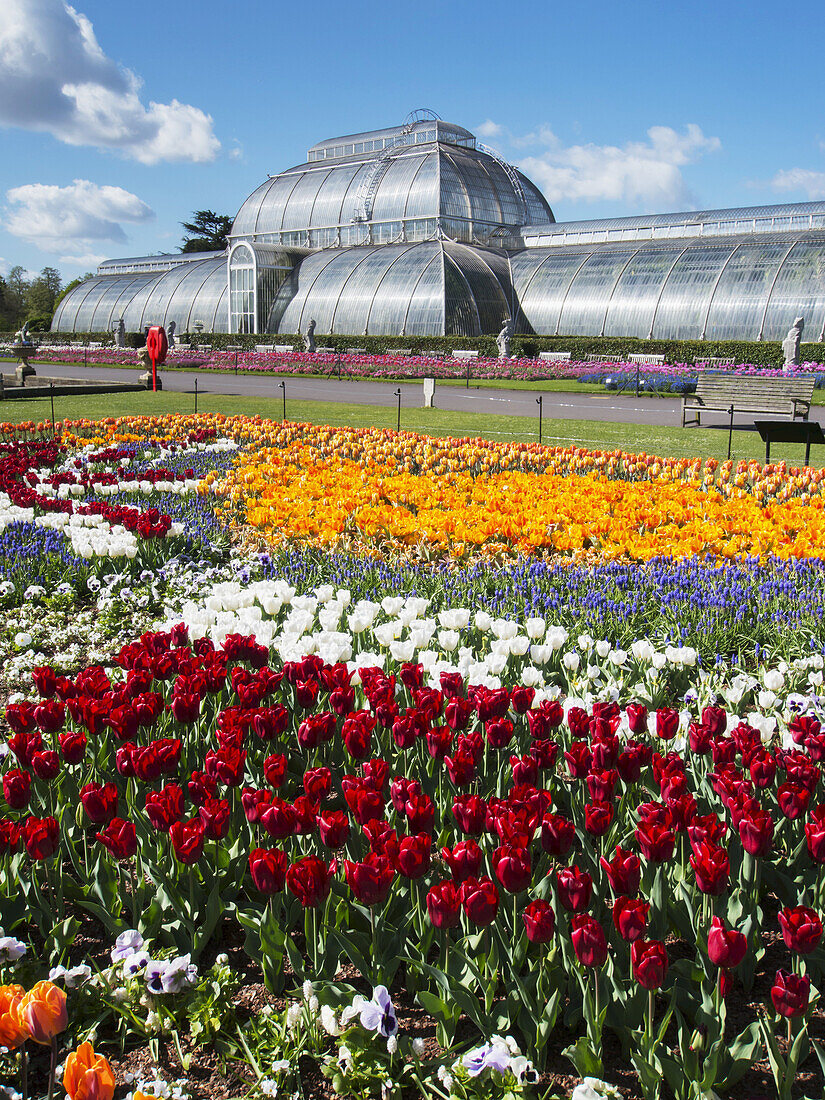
598 817
716 720
120 838
215 815
268 867
470 811
480 900
16 788
726 946
630 917
279 819
801 928
309 879
371 879
667 723
578 759
711 868
444 905
539 921
464 860
334 828
557 835
624 872
790 994
41 837
589 942
413 858
512 867
99 801
815 833
756 831
575 888
637 717
420 813
655 840
72 746
793 799
649 961
187 839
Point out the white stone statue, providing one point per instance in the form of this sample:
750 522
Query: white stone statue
120 334
790 345
309 336
503 339
22 336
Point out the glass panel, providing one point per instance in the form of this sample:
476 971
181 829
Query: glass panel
312 291
299 205
799 291
247 216
684 301
740 298
454 199
584 309
425 316
423 196
329 209
461 316
271 215
492 300
393 294
633 303
86 309
541 281
393 188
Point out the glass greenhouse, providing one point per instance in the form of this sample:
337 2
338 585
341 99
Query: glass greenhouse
420 230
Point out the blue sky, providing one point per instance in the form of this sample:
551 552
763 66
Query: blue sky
117 120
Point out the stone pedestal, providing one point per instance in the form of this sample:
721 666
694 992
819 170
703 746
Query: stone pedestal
146 379
429 393
25 370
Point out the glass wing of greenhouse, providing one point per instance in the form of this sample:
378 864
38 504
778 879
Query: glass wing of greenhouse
420 230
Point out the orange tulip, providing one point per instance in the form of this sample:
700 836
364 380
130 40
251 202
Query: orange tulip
13 1031
43 1011
88 1076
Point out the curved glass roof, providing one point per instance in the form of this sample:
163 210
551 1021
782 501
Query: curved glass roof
422 289
195 291
403 180
733 288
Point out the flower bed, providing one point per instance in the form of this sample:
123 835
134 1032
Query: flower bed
400 788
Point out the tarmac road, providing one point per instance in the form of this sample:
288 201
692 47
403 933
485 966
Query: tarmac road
655 411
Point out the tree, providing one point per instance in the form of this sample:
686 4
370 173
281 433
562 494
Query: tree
17 288
207 232
42 293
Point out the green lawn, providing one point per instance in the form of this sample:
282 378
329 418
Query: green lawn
676 442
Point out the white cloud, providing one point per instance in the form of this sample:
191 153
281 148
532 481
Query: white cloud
73 219
87 261
54 77
489 129
800 179
637 172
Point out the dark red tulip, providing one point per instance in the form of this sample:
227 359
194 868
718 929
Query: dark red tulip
165 807
470 811
480 900
557 835
539 921
413 857
699 739
624 872
72 746
589 941
370 880
711 868
793 799
726 946
46 765
268 867
10 835
598 817
365 804
309 880
630 917
463 859
279 818
99 801
715 719
578 759
649 961
655 840
525 770
512 867
575 888
188 839
334 828
756 831
41 836
45 680
801 928
815 833
667 723
444 905
420 813
637 717
632 760
215 815
50 716
762 769
120 838
790 994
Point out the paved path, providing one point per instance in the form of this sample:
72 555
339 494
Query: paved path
655 411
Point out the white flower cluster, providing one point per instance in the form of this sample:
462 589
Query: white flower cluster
161 976
11 949
500 1055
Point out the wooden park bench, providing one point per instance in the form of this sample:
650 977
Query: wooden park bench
460 353
651 360
776 397
555 356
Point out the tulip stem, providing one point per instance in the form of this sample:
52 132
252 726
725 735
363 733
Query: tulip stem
52 1067
789 1027
372 940
651 1009
24 1073
596 994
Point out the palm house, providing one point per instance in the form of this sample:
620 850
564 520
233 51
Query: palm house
420 230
